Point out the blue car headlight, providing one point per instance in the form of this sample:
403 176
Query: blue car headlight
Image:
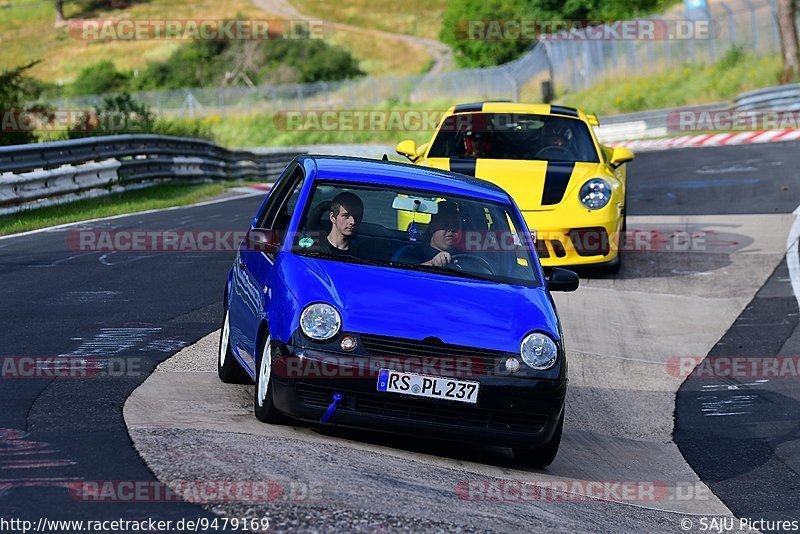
538 351
595 194
320 321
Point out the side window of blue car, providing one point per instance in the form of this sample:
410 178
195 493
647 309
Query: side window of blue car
278 211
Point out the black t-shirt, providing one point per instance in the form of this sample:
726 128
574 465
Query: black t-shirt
328 248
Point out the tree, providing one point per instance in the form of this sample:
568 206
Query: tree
787 12
59 12
15 88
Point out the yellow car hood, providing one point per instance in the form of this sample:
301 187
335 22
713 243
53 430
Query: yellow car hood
533 184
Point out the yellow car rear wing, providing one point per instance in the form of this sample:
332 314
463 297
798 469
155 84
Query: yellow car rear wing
592 118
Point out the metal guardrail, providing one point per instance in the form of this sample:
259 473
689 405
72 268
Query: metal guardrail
43 174
643 124
656 123
781 97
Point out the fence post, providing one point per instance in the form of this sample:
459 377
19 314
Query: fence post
773 6
514 85
731 21
326 88
221 100
689 42
753 24
300 101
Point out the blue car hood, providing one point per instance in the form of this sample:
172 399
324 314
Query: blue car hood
414 304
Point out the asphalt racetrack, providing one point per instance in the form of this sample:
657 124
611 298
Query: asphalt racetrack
711 275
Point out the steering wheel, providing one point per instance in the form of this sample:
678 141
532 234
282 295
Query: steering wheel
483 266
556 151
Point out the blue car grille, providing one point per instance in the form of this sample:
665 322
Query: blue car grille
481 361
425 411
395 346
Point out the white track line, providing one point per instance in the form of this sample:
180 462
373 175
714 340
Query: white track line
198 204
792 258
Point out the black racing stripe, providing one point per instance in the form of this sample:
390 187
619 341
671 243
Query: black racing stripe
474 106
563 110
463 166
555 181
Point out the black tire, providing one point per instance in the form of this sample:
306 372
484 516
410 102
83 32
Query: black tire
228 369
543 455
614 269
263 404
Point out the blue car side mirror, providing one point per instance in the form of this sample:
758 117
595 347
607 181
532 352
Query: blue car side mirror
263 240
563 280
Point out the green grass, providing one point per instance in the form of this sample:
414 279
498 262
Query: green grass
681 86
422 18
27 33
265 130
159 196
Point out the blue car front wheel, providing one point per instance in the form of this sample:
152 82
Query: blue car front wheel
228 369
264 407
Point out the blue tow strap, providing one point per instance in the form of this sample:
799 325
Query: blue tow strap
337 398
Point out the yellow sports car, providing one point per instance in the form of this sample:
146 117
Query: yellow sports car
570 188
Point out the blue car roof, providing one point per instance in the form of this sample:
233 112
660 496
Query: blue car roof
392 174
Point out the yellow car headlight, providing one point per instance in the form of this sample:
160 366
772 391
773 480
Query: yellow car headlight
595 194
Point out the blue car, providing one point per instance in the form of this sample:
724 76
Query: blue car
386 296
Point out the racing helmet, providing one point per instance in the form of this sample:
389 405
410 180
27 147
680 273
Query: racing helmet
479 128
557 134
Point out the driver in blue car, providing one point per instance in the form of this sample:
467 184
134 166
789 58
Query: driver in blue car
440 238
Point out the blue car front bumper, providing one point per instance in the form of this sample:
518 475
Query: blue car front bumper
510 411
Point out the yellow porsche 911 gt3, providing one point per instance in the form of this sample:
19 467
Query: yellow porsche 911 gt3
570 188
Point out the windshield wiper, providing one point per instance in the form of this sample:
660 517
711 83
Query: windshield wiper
341 257
409 266
444 271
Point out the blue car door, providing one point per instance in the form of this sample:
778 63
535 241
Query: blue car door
254 264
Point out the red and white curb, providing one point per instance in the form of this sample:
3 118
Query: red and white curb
253 189
704 140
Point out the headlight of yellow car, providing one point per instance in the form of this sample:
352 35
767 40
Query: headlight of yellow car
595 194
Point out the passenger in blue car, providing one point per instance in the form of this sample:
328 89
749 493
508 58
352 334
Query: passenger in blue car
440 238
347 211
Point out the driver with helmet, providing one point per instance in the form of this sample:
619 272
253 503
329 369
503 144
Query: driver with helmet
557 139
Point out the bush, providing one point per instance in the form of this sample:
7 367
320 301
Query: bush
121 114
100 78
314 60
196 64
205 63
115 115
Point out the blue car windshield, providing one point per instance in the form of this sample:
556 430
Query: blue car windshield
427 231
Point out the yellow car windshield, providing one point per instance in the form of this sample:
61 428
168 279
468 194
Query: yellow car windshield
516 136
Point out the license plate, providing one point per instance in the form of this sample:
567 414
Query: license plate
435 387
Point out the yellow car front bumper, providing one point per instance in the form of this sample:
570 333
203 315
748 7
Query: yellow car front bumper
590 238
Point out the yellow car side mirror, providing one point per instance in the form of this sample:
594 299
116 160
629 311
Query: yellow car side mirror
407 148
620 155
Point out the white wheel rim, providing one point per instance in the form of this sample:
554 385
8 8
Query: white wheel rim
223 345
264 370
